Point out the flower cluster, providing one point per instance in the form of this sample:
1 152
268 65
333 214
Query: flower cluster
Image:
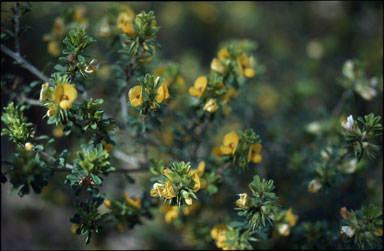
149 94
285 221
178 184
241 147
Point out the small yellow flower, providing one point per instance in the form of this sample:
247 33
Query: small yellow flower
51 112
196 180
188 201
108 204
167 171
133 202
58 29
230 95
223 54
58 132
291 218
219 234
217 66
245 64
253 154
171 212
135 96
28 146
162 93
169 193
211 106
128 28
53 48
201 168
157 190
283 229
199 87
74 228
379 232
43 92
64 95
124 16
227 109
314 186
243 201
230 142
217 152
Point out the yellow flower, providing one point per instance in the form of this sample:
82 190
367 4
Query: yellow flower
217 152
283 229
58 29
219 234
243 201
198 89
51 112
196 180
314 186
128 28
64 95
230 142
133 202
379 232
223 54
167 171
162 93
43 92
291 218
188 201
28 146
230 95
169 193
171 212
157 190
201 168
253 154
211 106
124 16
74 228
107 203
58 132
245 64
107 147
53 48
135 96
217 66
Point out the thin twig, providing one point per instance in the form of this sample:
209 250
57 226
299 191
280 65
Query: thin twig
340 104
16 17
24 63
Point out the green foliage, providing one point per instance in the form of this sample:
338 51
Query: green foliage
19 130
27 172
364 225
88 219
263 207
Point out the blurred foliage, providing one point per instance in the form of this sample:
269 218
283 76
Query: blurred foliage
292 73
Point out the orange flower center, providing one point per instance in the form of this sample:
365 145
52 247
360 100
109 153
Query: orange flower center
64 97
138 96
200 88
231 145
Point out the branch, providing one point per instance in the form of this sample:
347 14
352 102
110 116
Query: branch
17 27
20 60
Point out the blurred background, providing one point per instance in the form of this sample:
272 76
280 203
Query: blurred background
302 46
